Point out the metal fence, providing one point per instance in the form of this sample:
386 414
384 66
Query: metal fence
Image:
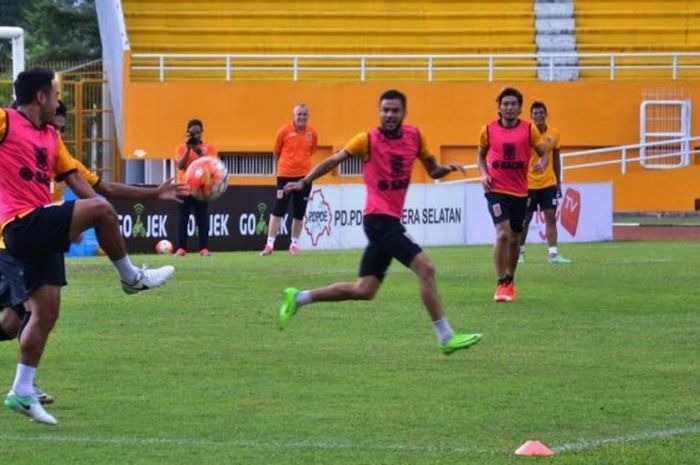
90 124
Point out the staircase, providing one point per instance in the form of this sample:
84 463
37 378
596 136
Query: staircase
555 32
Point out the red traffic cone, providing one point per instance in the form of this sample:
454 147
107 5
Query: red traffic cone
533 448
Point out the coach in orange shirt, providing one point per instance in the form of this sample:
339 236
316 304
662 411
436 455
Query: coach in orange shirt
294 144
185 154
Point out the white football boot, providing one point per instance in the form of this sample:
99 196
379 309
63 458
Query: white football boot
149 279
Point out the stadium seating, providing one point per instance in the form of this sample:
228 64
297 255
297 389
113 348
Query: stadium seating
640 26
336 27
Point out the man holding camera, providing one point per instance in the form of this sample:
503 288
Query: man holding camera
185 154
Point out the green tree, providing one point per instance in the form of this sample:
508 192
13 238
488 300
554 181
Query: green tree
63 30
55 30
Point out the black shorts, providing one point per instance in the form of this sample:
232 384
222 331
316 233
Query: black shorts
44 231
545 199
387 239
6 301
12 289
299 199
504 207
12 293
36 272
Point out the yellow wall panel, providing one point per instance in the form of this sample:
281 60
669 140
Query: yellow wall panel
243 116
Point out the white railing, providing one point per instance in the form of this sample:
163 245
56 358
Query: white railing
296 67
623 151
623 159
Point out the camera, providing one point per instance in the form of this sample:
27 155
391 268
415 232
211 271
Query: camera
192 139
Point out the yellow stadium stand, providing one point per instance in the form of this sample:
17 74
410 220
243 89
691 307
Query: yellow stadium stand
328 28
640 26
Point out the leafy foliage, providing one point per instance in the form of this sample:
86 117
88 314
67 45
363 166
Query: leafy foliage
55 30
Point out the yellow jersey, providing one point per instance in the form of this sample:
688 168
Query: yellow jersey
547 178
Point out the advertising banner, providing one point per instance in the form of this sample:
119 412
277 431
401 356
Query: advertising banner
237 221
584 215
434 214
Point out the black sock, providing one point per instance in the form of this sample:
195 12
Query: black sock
508 279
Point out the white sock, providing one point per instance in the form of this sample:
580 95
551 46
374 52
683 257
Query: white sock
295 241
303 298
127 271
553 250
522 249
270 241
24 380
443 331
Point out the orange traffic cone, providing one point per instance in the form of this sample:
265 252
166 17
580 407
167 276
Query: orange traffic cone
533 448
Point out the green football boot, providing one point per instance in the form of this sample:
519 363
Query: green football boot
289 307
458 342
556 259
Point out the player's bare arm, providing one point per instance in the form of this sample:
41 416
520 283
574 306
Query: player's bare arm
436 171
541 164
556 164
166 191
481 162
319 170
80 186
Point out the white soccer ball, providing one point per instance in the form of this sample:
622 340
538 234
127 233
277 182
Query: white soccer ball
164 247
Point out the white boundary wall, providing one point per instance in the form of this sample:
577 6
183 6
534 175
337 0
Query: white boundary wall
450 214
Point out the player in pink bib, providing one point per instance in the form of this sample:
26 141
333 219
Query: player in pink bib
503 156
388 153
35 233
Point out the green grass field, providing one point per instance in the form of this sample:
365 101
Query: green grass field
598 359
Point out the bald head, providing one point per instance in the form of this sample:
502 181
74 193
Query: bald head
301 116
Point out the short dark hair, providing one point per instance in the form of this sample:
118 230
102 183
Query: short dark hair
61 110
194 122
510 92
394 94
29 82
537 104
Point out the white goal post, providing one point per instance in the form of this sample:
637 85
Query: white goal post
16 34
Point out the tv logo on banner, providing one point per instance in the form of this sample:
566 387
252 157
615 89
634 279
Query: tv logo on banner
568 214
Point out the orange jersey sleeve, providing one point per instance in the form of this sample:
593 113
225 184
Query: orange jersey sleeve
59 187
556 139
424 148
358 146
279 140
92 178
484 137
3 123
64 163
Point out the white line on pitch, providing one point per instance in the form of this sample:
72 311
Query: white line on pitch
185 442
585 444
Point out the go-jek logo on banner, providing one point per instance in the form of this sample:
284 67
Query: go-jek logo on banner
153 225
319 215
